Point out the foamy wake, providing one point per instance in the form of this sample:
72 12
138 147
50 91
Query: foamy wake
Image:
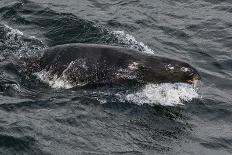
132 42
165 94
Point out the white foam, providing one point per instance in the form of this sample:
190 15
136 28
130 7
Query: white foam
132 42
165 94
54 81
12 31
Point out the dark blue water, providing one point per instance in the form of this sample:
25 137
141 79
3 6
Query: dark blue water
41 116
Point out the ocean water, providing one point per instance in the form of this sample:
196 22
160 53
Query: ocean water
46 116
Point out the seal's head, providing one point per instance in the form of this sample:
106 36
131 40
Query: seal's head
165 70
183 72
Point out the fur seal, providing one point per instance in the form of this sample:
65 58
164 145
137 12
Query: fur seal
86 64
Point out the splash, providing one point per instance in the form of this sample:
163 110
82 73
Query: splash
132 42
164 94
53 80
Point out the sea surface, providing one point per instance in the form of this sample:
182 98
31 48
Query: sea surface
45 116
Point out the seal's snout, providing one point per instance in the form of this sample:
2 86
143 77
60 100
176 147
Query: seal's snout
195 80
195 83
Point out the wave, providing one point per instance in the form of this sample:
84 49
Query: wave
129 40
14 41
